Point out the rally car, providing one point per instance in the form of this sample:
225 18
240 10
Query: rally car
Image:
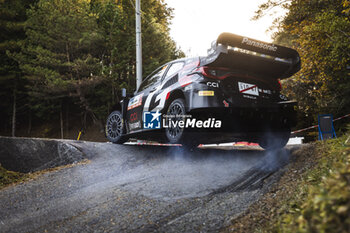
231 94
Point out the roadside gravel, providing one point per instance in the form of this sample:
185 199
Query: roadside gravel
142 189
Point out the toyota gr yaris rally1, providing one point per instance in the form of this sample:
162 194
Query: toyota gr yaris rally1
231 94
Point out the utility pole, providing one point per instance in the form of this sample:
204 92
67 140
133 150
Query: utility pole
138 45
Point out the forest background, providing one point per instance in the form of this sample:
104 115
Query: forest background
63 63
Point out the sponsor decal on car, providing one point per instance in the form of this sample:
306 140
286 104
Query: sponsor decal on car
246 88
212 84
206 93
136 125
258 44
135 101
133 116
250 97
265 91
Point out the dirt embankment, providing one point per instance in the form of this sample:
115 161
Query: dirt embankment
30 154
263 214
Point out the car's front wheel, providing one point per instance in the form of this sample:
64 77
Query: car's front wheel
115 128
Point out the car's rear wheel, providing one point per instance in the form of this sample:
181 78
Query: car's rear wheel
115 128
274 140
174 133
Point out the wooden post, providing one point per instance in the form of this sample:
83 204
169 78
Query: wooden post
14 111
61 119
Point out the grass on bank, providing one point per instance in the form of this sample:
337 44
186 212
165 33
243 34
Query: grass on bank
321 202
9 177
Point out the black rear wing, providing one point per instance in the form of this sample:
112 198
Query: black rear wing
252 56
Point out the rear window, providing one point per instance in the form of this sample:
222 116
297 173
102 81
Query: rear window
153 78
174 68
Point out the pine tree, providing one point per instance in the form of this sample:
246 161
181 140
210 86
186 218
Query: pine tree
12 18
116 21
82 52
61 55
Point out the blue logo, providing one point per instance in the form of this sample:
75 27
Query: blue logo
151 120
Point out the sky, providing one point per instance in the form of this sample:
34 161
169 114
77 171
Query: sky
197 23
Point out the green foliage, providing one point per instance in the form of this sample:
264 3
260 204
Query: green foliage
60 53
9 177
12 18
12 35
322 203
116 22
80 52
320 31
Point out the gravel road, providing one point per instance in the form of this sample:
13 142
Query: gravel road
142 189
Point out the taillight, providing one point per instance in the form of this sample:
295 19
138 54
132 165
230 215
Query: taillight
280 84
207 72
216 73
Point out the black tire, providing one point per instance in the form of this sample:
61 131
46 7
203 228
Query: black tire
115 129
178 135
275 140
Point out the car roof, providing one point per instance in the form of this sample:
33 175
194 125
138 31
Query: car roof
182 59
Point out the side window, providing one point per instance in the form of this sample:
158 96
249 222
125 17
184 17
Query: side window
153 78
174 68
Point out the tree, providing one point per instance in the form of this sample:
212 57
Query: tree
116 21
82 52
320 31
61 55
12 18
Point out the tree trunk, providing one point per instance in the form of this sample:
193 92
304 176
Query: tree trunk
29 123
14 111
84 102
67 121
113 94
61 119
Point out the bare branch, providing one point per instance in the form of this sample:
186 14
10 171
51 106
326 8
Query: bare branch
268 6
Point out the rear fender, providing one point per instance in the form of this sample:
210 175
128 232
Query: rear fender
200 95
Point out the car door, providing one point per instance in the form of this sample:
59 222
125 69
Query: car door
157 95
142 100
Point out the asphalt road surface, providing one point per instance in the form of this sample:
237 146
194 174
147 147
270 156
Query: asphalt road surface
142 189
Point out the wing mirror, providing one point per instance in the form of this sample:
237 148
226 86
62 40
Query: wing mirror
123 92
126 95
